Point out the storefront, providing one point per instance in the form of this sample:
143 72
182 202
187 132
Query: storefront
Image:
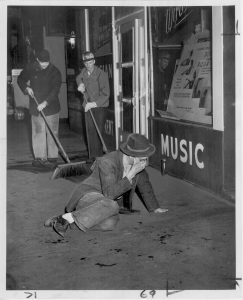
172 78
190 121
171 84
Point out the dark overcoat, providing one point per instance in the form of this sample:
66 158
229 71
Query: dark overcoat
45 84
107 178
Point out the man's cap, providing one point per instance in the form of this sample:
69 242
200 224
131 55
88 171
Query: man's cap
43 55
137 145
87 56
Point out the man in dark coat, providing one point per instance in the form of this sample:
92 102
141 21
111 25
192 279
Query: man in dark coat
42 80
94 202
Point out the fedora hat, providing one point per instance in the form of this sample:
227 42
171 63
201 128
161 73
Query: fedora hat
137 145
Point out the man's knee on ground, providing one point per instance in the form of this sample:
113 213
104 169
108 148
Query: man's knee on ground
111 204
108 224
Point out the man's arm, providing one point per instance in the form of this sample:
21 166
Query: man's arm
81 86
146 191
23 79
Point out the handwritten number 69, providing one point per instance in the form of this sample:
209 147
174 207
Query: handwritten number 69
145 294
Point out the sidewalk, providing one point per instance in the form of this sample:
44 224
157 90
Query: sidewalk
191 247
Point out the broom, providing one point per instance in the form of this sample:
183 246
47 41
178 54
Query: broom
78 168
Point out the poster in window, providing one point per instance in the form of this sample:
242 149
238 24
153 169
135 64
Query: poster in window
190 94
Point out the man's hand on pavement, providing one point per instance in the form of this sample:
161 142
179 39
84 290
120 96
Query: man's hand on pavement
160 210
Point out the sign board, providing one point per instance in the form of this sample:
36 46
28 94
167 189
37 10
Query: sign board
193 153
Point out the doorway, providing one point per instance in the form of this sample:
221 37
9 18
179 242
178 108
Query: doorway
131 77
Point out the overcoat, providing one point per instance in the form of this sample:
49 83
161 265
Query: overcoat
45 84
107 178
96 85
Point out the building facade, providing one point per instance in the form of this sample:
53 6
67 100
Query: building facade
172 73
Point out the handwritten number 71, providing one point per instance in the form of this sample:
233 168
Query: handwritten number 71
31 295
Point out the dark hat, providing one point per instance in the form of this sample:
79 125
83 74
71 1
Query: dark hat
137 145
43 55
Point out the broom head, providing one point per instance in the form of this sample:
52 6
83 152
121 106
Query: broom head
71 169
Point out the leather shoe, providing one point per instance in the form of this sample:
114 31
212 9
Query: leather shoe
39 163
58 223
52 162
50 222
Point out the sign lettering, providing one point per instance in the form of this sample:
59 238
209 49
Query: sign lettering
183 149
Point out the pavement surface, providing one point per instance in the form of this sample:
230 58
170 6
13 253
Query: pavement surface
191 247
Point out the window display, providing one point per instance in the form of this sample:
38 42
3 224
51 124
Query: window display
164 69
182 63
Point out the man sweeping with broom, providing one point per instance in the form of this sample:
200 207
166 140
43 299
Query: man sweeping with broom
42 80
93 83
93 204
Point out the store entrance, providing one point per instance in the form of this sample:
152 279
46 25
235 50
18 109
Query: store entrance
130 63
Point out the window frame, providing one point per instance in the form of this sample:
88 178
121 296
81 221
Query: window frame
216 73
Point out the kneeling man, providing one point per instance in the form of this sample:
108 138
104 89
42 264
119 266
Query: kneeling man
93 203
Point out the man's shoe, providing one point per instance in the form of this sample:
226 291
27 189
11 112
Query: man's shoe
52 162
50 222
39 163
60 225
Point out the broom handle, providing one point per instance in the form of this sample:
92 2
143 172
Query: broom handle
96 127
66 159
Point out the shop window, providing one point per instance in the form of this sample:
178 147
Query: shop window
182 64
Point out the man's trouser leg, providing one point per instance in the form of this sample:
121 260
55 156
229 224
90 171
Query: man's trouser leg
95 148
95 209
38 137
53 122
